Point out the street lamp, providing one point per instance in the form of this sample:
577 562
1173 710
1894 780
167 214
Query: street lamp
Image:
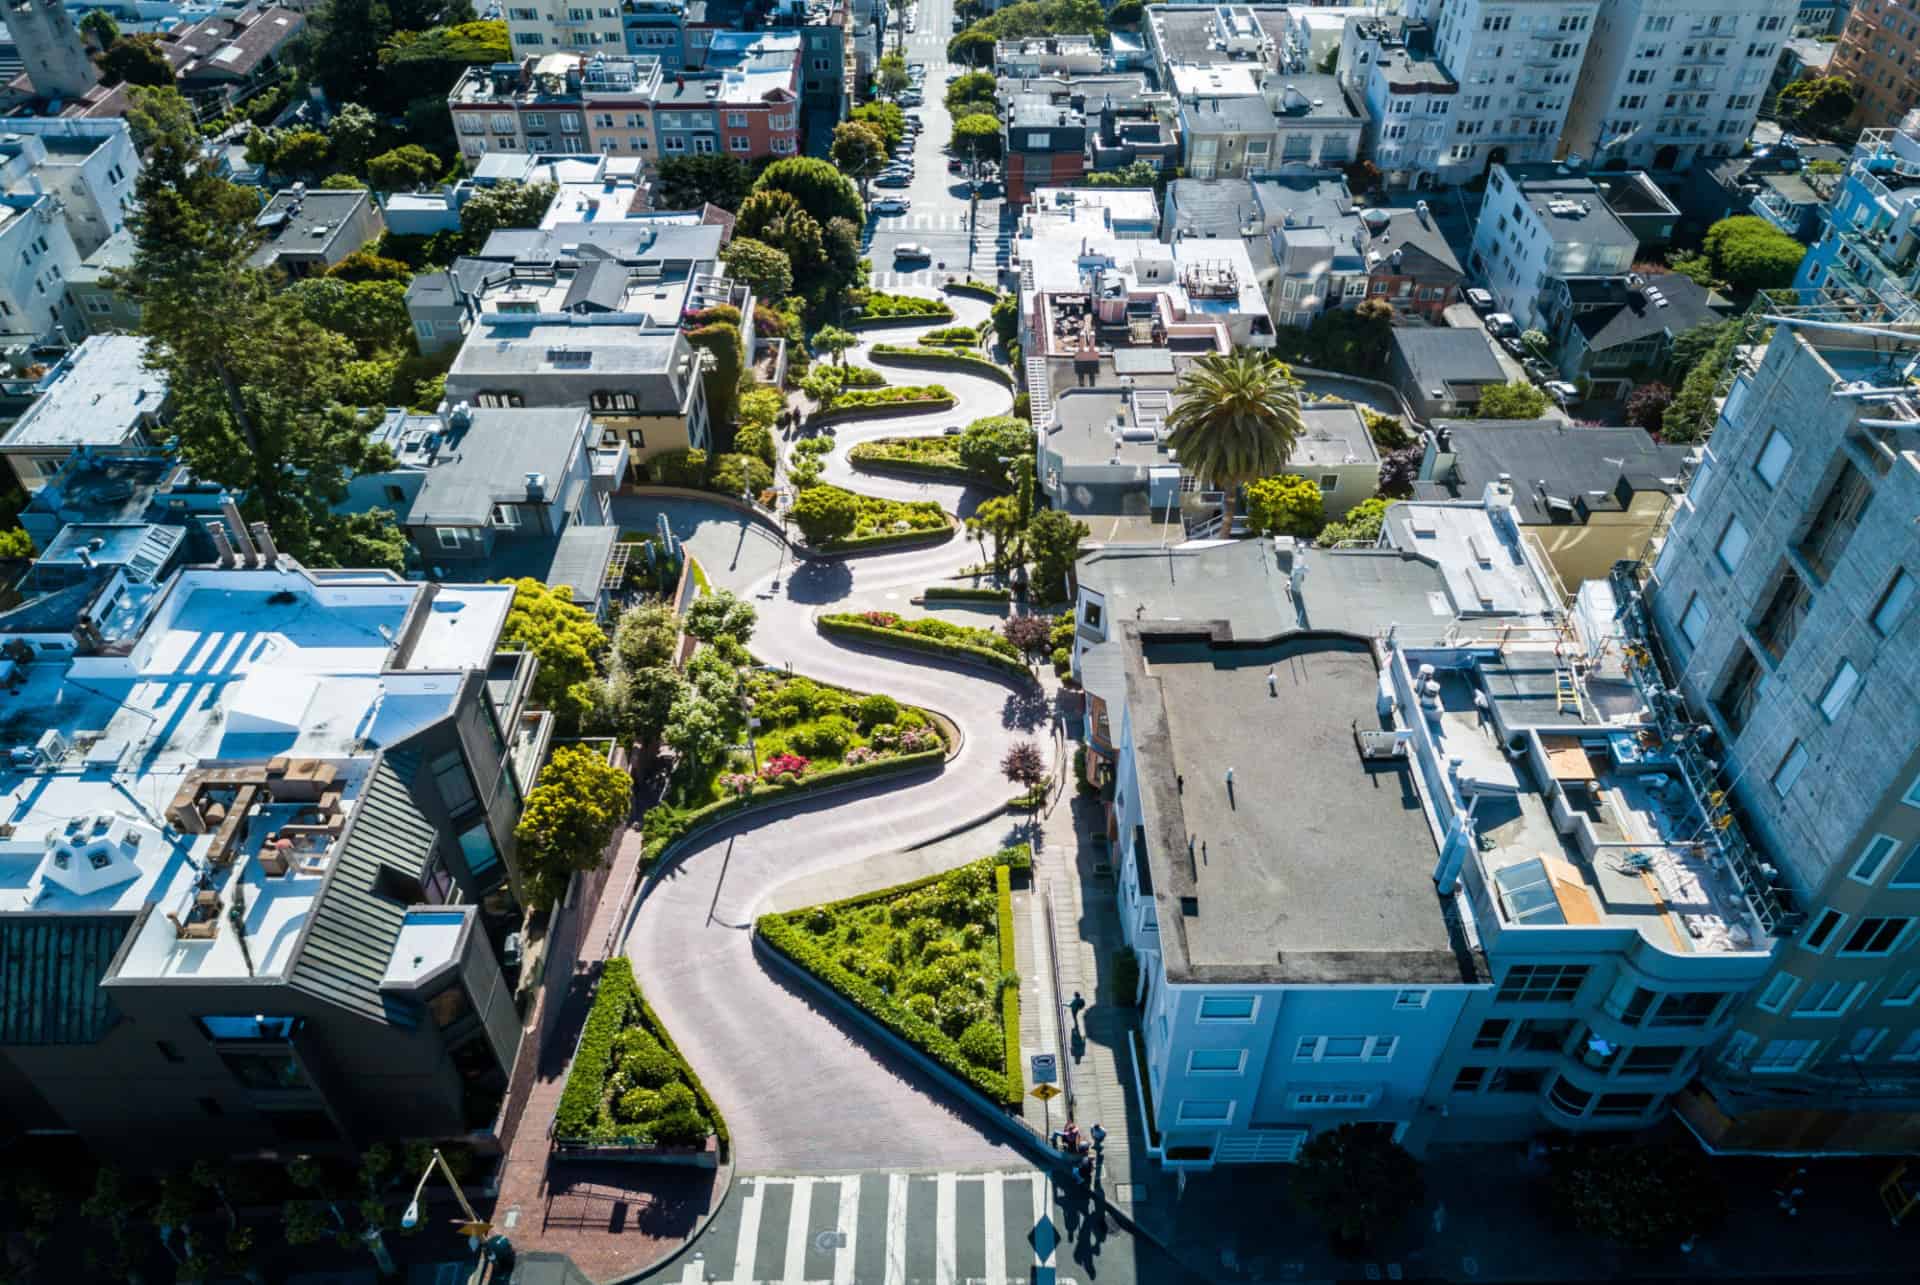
475 1228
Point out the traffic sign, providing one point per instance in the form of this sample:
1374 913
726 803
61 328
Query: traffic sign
1046 1068
1046 1092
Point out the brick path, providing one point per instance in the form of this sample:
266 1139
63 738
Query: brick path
611 1219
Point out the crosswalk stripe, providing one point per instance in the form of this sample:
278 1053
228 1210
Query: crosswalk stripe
1040 1209
896 1229
795 1271
946 1231
994 1214
749 1234
849 1224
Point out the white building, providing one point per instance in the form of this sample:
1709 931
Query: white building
1541 225
1448 90
37 255
88 163
1668 86
539 26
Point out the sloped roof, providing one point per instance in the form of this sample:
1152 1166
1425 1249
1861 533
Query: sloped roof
51 967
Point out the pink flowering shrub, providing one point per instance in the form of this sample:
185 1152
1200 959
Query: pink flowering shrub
737 782
783 765
859 754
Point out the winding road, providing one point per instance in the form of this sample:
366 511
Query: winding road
801 1091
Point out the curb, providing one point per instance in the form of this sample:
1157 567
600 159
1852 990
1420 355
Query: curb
758 514
654 1269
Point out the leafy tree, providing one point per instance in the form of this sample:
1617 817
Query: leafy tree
1236 417
1362 523
1536 342
569 817
859 150
776 219
1285 505
1399 470
1127 13
1132 174
822 191
1024 764
1647 405
372 315
1006 318
834 342
987 443
341 47
505 205
972 92
1646 1196
1515 400
563 637
642 700
713 614
999 520
1032 634
16 543
841 241
352 135
403 168
689 182
437 56
893 76
760 407
1750 253
977 136
370 539
646 637
971 48
1818 102
1053 538
135 60
342 183
885 117
99 27
767 271
721 341
698 730
1689 346
1690 417
1697 268
365 265
155 113
1357 1182
825 514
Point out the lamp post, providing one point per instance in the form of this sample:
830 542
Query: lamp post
475 1228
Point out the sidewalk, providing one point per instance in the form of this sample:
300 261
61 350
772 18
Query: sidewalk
612 1220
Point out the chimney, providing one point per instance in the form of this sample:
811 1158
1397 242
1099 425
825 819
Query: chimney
242 545
263 538
536 486
1499 495
86 557
221 545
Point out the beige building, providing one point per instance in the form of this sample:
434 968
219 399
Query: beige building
1878 50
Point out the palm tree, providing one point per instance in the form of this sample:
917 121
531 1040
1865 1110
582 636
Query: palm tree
1236 418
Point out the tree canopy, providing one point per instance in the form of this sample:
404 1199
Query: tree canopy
565 640
1285 505
1235 418
1357 1182
689 182
1749 253
506 205
885 116
977 135
826 513
721 613
971 92
1515 400
570 816
822 191
406 167
1818 102
135 60
1053 538
860 149
768 272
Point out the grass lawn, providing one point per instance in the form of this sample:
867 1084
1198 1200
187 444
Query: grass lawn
932 960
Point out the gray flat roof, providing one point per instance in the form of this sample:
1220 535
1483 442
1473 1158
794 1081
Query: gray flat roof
1438 357
1551 460
1315 865
487 463
103 396
1592 222
1336 434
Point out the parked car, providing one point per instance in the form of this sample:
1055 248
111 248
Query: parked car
891 205
1539 371
911 98
1513 345
911 250
1561 391
893 178
952 430
1482 301
1500 324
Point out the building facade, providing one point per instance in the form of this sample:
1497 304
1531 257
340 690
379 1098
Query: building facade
1538 224
1877 46
90 164
37 256
1869 240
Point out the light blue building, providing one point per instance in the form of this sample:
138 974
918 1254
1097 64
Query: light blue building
1870 246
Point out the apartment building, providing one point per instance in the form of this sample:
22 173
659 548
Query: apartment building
538 28
101 399
1780 614
1869 243
1665 88
1449 90
1876 52
278 890
1541 223
89 164
37 256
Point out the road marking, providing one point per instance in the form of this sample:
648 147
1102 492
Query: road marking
896 1229
749 1236
1042 1211
946 1233
994 1210
795 1270
695 1272
848 1222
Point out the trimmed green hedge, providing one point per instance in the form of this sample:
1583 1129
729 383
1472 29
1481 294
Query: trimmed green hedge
975 289
707 1107
1009 992
887 539
871 462
894 395
965 593
852 626
914 354
780 933
880 306
685 824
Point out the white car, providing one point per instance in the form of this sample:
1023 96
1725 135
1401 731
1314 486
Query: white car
1561 391
891 205
911 250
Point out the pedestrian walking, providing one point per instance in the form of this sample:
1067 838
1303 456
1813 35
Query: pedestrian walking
1076 1005
1099 1136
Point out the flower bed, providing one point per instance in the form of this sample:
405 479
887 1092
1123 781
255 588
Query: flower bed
911 355
951 337
880 519
880 306
628 1085
934 456
935 637
931 960
861 398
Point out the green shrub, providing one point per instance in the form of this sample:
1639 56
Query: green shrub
974 289
852 626
686 467
983 1044
878 306
852 399
908 354
580 1099
649 1066
740 475
636 1106
827 738
966 593
1009 975
876 709
681 1128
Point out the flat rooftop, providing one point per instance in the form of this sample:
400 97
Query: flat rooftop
101 398
1314 865
256 697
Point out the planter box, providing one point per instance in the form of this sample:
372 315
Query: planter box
974 290
636 1151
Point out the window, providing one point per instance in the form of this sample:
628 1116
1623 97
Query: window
1779 987
1823 930
1791 765
1839 689
1227 1008
476 845
1468 1079
1774 454
1216 1061
1411 999
1516 1079
1693 622
1909 1050
272 1070
449 1006
1492 1033
1886 613
1653 1059
1781 1057
1687 1008
1908 875
1835 521
1622 1104
1329 482
254 1028
447 536
1541 983
451 779
1345 1048
423 328
1733 543
1862 1043
1569 1097
1904 989
1827 999
1876 936
1206 1111
1332 1099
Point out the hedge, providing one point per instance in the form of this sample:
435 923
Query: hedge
976 289
869 457
850 626
880 306
865 410
579 1109
1015 857
686 824
779 933
653 1023
888 539
1009 994
966 593
860 398
908 355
